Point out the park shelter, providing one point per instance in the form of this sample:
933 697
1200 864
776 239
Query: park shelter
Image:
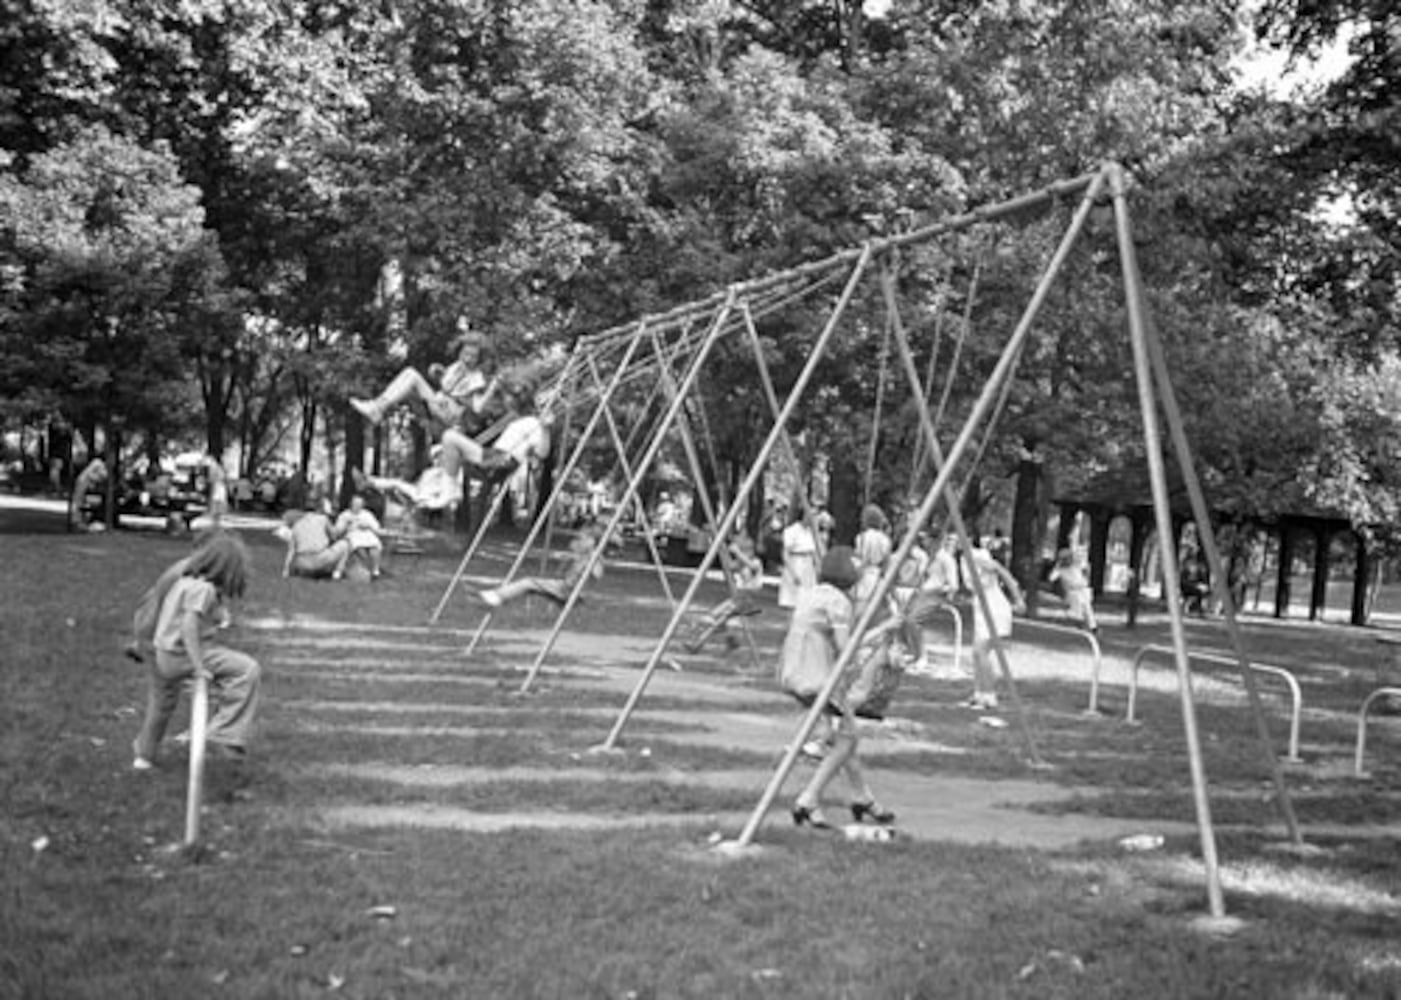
1126 493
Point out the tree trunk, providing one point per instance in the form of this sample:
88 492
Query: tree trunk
113 442
354 454
307 434
846 499
1026 530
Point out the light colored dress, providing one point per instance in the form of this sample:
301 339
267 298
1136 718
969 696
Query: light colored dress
810 647
982 563
799 564
873 548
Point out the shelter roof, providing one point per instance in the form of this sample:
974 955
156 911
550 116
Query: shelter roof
1127 489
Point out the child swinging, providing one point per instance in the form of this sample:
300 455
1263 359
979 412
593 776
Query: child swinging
744 602
557 589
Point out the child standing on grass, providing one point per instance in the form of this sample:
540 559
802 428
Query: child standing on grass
749 580
1079 598
191 611
820 628
873 550
559 588
994 577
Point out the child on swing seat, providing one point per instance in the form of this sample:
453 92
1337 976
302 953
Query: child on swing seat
748 581
557 589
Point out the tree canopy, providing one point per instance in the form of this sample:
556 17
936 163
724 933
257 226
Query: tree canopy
222 219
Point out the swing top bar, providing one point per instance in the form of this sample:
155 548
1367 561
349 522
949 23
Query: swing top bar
986 213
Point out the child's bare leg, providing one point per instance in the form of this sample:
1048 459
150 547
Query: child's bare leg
406 385
507 592
984 680
843 746
459 448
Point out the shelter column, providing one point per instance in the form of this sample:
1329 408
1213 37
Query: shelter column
1286 559
1099 549
1361 571
1318 597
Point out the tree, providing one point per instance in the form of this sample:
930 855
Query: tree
108 263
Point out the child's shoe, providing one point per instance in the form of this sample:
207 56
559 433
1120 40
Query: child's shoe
369 409
490 598
138 761
695 639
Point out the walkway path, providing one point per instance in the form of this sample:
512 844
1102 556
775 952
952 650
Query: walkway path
731 712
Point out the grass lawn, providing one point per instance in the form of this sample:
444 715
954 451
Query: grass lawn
276 903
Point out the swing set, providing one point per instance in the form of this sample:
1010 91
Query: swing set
669 351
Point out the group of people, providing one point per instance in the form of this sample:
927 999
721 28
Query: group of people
460 399
826 587
319 546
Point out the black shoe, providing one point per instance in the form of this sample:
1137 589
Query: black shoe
230 752
498 464
861 811
804 816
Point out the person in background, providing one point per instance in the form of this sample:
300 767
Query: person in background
941 579
799 572
873 549
218 490
995 622
1195 583
1069 572
93 475
314 549
362 531
748 580
462 390
557 589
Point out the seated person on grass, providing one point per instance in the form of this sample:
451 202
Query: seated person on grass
557 589
314 548
358 525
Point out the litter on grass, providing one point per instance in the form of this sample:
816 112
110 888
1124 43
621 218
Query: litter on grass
1142 842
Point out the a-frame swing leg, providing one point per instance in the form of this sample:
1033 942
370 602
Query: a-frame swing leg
996 384
937 491
751 478
542 518
1162 512
649 457
931 437
626 466
688 445
790 453
1167 396
708 439
559 450
1219 578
